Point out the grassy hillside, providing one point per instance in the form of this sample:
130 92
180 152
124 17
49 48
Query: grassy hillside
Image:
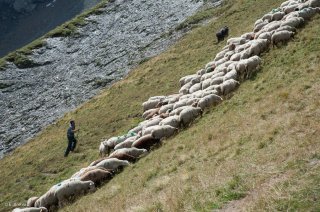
258 150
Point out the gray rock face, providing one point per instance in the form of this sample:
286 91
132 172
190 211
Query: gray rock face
71 70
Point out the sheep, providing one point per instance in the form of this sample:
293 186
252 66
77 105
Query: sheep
208 101
259 26
271 26
265 35
96 175
228 86
229 54
206 76
31 201
125 144
173 98
131 153
112 163
64 192
136 129
267 17
277 16
314 3
242 47
248 35
48 199
148 130
106 146
231 75
201 72
290 8
281 36
216 81
172 121
178 110
150 113
258 46
151 104
236 56
30 209
293 22
219 56
185 88
212 88
307 13
195 88
205 84
190 78
286 28
82 171
221 61
259 21
238 40
163 131
187 115
145 142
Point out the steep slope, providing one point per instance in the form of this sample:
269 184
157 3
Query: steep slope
256 151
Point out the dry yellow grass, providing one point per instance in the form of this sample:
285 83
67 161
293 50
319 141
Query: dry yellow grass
256 151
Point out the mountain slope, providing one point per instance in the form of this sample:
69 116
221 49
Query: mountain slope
256 151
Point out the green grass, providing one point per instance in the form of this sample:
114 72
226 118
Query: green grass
256 151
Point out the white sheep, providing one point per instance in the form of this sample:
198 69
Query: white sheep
314 3
48 199
216 81
201 72
185 88
164 131
177 111
149 113
173 98
206 83
293 22
207 76
248 36
65 191
132 151
112 163
281 36
277 16
194 77
286 28
265 35
308 13
172 121
231 75
31 201
237 40
151 104
195 87
165 108
209 101
30 209
259 26
228 86
187 115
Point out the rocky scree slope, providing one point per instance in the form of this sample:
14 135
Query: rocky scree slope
69 70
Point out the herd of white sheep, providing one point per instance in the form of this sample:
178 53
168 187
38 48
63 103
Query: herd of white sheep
165 115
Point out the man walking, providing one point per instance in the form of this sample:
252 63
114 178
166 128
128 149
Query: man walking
72 142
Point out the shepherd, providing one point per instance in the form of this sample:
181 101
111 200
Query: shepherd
72 141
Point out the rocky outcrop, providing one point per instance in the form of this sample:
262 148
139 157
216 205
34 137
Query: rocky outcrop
70 70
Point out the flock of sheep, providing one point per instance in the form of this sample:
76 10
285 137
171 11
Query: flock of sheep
164 115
